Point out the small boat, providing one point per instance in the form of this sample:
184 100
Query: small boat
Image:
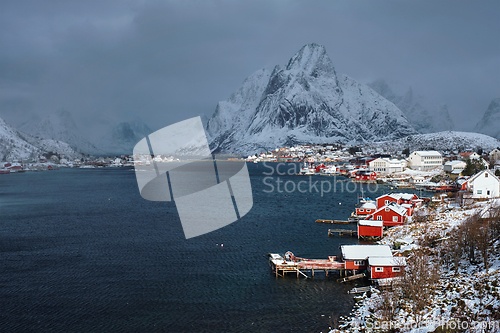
4 171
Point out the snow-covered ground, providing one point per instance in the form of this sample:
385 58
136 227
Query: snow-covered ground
470 298
441 141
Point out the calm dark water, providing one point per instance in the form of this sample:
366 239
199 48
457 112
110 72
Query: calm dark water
81 251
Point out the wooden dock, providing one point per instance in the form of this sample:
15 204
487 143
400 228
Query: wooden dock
359 290
290 264
336 221
352 277
341 232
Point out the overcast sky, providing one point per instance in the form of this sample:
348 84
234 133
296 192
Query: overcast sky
170 60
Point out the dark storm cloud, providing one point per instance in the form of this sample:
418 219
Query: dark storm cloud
169 60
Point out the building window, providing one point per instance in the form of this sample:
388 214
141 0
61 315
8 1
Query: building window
386 209
361 210
358 262
486 175
387 202
394 219
396 269
488 192
479 191
379 269
379 218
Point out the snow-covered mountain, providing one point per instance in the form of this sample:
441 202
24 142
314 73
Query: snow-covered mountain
305 102
16 145
490 123
121 138
60 126
441 141
423 116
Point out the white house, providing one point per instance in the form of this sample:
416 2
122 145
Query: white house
416 180
495 155
470 154
386 165
425 160
454 165
484 184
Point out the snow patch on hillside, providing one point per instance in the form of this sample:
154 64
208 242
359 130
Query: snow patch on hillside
441 141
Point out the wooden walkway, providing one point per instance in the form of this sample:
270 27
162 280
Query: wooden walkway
341 232
352 277
335 221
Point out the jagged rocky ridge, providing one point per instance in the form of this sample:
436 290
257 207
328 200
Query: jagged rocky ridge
423 117
490 123
107 137
16 145
60 126
305 102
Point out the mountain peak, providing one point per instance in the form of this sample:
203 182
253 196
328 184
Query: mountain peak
307 102
311 59
491 118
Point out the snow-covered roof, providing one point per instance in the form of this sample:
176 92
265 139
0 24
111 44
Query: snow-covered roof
428 153
406 196
397 196
371 223
398 209
454 162
387 261
369 205
362 252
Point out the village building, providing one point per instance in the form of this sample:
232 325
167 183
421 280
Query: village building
365 175
391 214
416 180
385 267
370 228
496 166
366 208
484 184
425 159
387 199
451 166
469 155
386 165
356 256
495 155
398 198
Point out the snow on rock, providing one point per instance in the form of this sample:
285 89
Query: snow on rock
60 126
490 123
16 145
305 102
471 296
118 139
441 141
423 116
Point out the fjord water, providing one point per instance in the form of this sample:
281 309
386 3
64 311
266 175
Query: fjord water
81 251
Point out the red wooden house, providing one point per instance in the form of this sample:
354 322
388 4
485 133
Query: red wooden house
409 208
387 199
366 208
320 167
385 267
370 228
356 256
408 198
399 198
391 214
365 175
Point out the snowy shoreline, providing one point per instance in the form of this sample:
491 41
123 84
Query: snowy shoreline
466 299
